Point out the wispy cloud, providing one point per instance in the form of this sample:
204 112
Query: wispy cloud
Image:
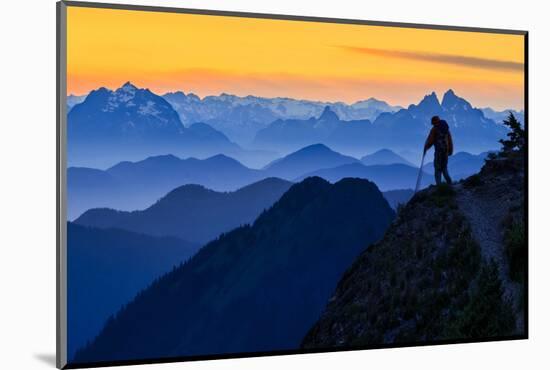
474 62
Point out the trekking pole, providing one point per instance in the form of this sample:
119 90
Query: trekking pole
419 179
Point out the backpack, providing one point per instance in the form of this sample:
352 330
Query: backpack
441 133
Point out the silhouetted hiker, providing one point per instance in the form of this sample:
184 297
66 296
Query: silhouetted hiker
440 138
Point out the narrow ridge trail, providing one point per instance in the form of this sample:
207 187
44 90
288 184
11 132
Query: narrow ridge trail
485 208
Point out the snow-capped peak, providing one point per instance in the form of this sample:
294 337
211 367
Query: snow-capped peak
128 86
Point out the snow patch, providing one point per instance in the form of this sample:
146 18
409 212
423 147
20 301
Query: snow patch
148 109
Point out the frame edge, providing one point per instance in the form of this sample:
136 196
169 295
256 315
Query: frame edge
61 228
288 17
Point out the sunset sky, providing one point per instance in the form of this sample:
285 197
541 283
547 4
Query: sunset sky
208 55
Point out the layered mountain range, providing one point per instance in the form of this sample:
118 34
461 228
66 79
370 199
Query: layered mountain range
443 270
131 123
258 287
136 185
241 117
499 116
405 129
263 204
193 212
129 186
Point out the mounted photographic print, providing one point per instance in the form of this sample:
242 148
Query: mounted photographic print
236 184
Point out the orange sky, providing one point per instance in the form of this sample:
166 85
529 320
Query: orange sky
320 61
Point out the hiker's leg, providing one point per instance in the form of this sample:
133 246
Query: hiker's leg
437 176
437 167
444 163
447 177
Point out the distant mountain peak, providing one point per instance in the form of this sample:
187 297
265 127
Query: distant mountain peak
449 93
225 97
452 101
317 148
374 100
99 93
175 94
450 96
308 159
430 99
384 151
427 107
328 115
219 159
384 157
187 190
128 85
163 157
123 95
429 104
154 159
125 101
128 91
101 89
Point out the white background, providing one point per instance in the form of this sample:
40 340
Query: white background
27 183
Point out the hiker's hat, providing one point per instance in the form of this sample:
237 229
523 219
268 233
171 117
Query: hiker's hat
435 119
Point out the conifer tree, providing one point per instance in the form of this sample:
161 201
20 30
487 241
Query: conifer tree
516 136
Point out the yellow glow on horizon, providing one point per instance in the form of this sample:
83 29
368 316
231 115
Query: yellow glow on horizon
245 56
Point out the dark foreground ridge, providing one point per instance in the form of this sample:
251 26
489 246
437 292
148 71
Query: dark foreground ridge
259 287
450 267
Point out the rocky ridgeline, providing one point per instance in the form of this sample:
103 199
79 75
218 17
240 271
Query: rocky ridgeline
450 267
